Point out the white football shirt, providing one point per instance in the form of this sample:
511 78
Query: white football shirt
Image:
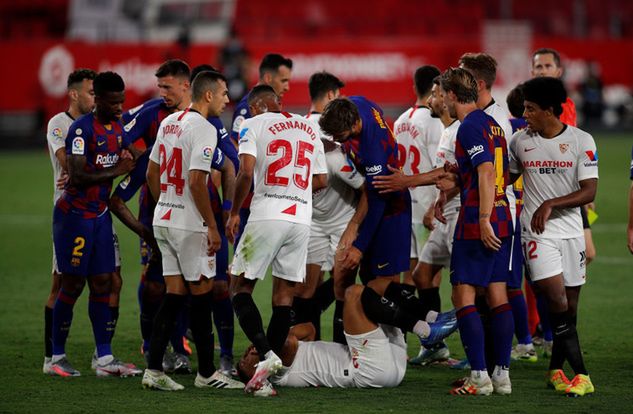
335 204
318 364
446 153
418 135
288 151
502 116
56 132
553 168
185 142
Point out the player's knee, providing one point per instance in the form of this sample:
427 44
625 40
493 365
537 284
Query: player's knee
73 285
101 285
220 290
353 293
116 283
154 291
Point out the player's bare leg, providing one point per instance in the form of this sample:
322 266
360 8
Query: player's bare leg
590 248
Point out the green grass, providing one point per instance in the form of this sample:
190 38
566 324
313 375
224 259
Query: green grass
25 256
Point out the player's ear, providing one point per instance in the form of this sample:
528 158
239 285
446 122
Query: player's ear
73 94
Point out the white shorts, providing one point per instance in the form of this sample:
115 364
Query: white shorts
323 243
550 257
282 243
55 268
438 248
419 236
184 253
379 357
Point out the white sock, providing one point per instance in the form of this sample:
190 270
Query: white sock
422 329
501 372
56 358
106 359
431 316
479 376
270 354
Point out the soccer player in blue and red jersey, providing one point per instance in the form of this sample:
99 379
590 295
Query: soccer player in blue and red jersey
82 225
384 237
483 235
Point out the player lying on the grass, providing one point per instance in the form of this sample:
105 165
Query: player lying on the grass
559 164
375 355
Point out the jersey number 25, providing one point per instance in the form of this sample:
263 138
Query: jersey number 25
273 176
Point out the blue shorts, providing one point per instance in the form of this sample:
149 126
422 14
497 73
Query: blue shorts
516 274
83 246
388 253
474 264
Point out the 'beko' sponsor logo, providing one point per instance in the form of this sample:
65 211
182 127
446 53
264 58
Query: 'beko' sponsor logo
373 170
477 149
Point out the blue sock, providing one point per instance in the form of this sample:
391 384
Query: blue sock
181 330
502 333
543 314
148 312
62 319
100 316
224 324
472 333
139 294
519 311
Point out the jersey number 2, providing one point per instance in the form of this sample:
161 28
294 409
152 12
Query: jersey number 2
301 160
173 167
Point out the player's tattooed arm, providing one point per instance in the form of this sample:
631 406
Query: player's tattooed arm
584 195
79 177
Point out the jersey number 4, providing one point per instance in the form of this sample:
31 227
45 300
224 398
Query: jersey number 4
273 177
173 168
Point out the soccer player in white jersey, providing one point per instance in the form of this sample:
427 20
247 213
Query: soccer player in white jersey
436 252
280 152
375 355
81 101
559 164
418 134
333 210
185 229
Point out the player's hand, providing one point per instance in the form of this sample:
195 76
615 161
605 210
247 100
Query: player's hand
438 207
127 154
488 236
349 258
427 220
446 181
214 241
225 217
540 216
397 181
348 236
591 206
232 227
124 166
62 180
629 233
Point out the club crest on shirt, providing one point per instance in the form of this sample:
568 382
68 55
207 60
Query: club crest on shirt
78 146
563 148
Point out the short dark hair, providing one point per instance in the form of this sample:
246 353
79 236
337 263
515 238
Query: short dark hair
481 65
108 82
462 83
339 115
201 68
546 92
203 82
173 67
515 101
78 76
271 63
259 91
321 83
423 79
547 51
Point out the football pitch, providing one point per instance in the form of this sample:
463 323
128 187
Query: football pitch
605 324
